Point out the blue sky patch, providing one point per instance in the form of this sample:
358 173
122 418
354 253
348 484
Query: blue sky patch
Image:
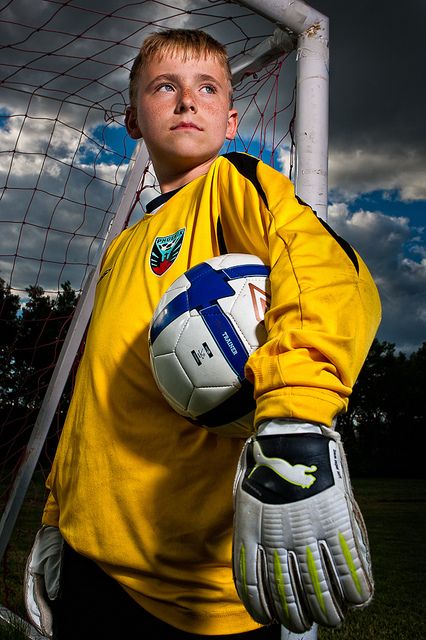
109 144
389 203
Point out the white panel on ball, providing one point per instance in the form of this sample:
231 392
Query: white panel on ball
248 310
170 375
167 340
201 357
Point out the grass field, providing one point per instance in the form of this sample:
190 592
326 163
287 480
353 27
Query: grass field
395 514
394 511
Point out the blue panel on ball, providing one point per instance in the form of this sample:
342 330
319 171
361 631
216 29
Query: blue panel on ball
246 271
207 286
173 310
227 339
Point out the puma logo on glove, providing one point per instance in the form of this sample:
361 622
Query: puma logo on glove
296 474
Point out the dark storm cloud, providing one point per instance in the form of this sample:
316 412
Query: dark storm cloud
378 146
377 55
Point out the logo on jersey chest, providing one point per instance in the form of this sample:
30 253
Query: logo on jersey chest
164 251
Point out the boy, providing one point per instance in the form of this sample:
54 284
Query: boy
143 498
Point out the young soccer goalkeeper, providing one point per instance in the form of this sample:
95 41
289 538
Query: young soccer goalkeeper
140 531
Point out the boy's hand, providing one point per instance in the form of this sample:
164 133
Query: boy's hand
41 578
300 546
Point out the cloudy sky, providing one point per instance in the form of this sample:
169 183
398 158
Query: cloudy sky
64 68
377 159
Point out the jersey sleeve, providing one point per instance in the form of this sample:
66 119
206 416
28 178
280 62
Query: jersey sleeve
51 512
325 308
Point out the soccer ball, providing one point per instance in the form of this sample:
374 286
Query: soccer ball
203 330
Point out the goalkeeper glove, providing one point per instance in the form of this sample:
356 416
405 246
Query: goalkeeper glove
300 547
41 578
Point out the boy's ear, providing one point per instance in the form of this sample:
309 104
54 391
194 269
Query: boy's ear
131 122
231 130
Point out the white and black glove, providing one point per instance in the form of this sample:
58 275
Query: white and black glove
300 551
41 578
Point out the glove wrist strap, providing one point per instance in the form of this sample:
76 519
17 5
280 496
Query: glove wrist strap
289 426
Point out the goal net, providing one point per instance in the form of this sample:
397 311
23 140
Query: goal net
67 167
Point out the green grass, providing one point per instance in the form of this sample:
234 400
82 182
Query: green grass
13 630
394 511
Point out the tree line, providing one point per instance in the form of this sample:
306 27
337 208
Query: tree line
31 335
381 430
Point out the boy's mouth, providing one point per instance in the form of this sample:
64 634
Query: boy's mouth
186 125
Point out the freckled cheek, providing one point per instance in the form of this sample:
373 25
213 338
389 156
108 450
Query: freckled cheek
217 115
151 122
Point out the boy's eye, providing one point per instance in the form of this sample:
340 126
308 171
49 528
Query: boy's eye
165 87
208 88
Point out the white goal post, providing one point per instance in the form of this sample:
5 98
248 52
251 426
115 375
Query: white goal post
311 31
299 27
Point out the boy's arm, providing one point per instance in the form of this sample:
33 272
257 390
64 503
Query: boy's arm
300 546
325 308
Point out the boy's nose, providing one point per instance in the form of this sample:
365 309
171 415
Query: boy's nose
186 102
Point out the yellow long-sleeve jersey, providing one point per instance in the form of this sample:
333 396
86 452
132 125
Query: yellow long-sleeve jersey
134 486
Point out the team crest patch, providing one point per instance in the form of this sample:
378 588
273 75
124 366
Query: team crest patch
164 251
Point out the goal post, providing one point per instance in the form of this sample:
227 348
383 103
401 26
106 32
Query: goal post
311 31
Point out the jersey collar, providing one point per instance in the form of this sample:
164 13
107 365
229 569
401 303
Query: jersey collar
155 204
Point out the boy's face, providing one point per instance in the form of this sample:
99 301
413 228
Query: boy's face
182 113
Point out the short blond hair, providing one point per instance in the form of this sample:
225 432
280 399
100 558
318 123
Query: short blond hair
187 43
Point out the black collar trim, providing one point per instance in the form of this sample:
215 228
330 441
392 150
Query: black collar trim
160 200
